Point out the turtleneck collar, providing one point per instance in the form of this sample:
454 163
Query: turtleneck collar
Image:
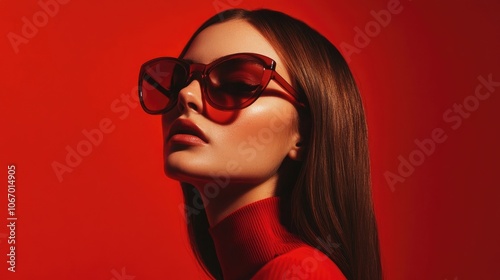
250 237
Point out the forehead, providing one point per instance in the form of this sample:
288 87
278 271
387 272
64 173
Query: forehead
234 36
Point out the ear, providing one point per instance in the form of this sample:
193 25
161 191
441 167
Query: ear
297 152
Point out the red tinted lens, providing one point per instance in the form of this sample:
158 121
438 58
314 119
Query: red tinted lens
161 81
235 83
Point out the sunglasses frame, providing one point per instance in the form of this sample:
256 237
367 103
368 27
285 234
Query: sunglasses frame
203 71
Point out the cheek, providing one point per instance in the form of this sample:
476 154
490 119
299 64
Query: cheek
261 137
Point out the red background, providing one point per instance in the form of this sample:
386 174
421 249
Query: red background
116 214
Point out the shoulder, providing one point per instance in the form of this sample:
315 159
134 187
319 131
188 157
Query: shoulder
302 263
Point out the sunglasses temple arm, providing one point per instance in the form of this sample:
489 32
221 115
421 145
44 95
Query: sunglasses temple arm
285 85
156 85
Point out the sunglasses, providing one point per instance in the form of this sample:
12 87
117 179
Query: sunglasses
229 83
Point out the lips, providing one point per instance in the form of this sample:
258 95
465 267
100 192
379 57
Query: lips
184 130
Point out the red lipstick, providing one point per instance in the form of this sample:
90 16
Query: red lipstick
184 131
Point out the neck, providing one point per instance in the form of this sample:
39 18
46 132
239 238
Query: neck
221 201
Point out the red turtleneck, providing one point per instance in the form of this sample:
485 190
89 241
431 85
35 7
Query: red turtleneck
251 243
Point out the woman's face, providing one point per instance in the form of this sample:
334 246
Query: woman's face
249 145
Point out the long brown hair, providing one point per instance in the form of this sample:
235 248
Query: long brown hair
331 199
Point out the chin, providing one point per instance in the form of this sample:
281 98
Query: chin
188 174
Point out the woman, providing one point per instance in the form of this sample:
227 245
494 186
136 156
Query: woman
264 128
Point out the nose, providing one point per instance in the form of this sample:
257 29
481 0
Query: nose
190 98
